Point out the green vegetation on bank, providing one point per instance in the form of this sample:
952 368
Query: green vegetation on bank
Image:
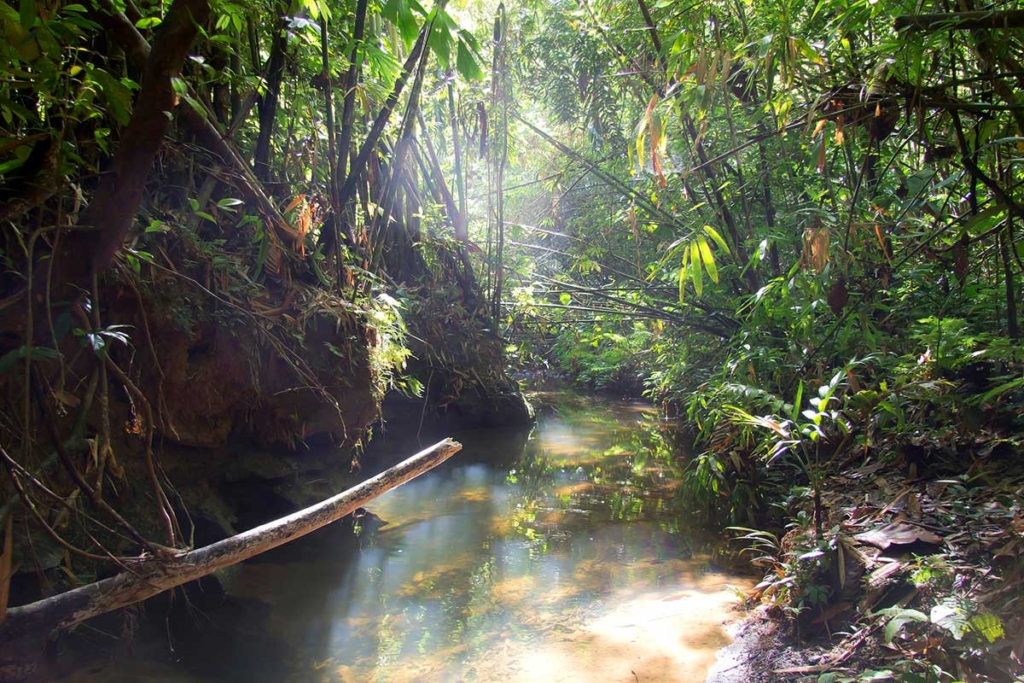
798 228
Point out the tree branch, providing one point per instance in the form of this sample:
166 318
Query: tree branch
23 632
960 21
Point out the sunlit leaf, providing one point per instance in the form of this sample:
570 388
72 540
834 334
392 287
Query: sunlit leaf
707 258
713 234
466 62
696 272
988 625
682 275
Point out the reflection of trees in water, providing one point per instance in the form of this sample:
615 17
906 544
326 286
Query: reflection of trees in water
507 542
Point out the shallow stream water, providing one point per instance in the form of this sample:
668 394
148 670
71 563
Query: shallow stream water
555 555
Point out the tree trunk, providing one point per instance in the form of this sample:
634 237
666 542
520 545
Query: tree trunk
268 104
138 50
113 208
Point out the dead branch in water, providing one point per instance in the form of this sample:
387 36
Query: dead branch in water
25 628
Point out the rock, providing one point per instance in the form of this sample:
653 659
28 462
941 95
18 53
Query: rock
504 406
257 464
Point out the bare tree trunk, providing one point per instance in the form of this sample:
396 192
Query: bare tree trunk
460 180
24 631
499 98
419 50
268 104
343 220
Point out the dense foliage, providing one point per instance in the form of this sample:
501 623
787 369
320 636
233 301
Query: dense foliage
223 220
795 225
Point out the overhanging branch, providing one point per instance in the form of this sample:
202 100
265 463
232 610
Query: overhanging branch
28 626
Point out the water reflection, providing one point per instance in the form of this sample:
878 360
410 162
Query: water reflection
551 556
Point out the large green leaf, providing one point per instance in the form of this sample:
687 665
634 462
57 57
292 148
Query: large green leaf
116 94
713 234
466 61
682 275
402 13
707 258
696 272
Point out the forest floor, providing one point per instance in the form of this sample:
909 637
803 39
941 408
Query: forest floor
918 578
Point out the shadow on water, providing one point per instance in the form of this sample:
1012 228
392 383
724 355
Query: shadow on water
549 555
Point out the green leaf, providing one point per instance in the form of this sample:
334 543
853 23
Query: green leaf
440 40
641 140
466 63
116 94
798 400
900 617
142 255
316 268
195 104
696 272
16 357
951 615
988 625
917 183
565 298
1002 389
147 23
682 276
707 258
11 165
713 234
27 13
179 86
400 13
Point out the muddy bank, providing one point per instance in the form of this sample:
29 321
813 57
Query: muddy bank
757 653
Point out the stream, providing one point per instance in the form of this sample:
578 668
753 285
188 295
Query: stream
554 555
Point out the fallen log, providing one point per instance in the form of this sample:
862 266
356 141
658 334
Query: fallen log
23 633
